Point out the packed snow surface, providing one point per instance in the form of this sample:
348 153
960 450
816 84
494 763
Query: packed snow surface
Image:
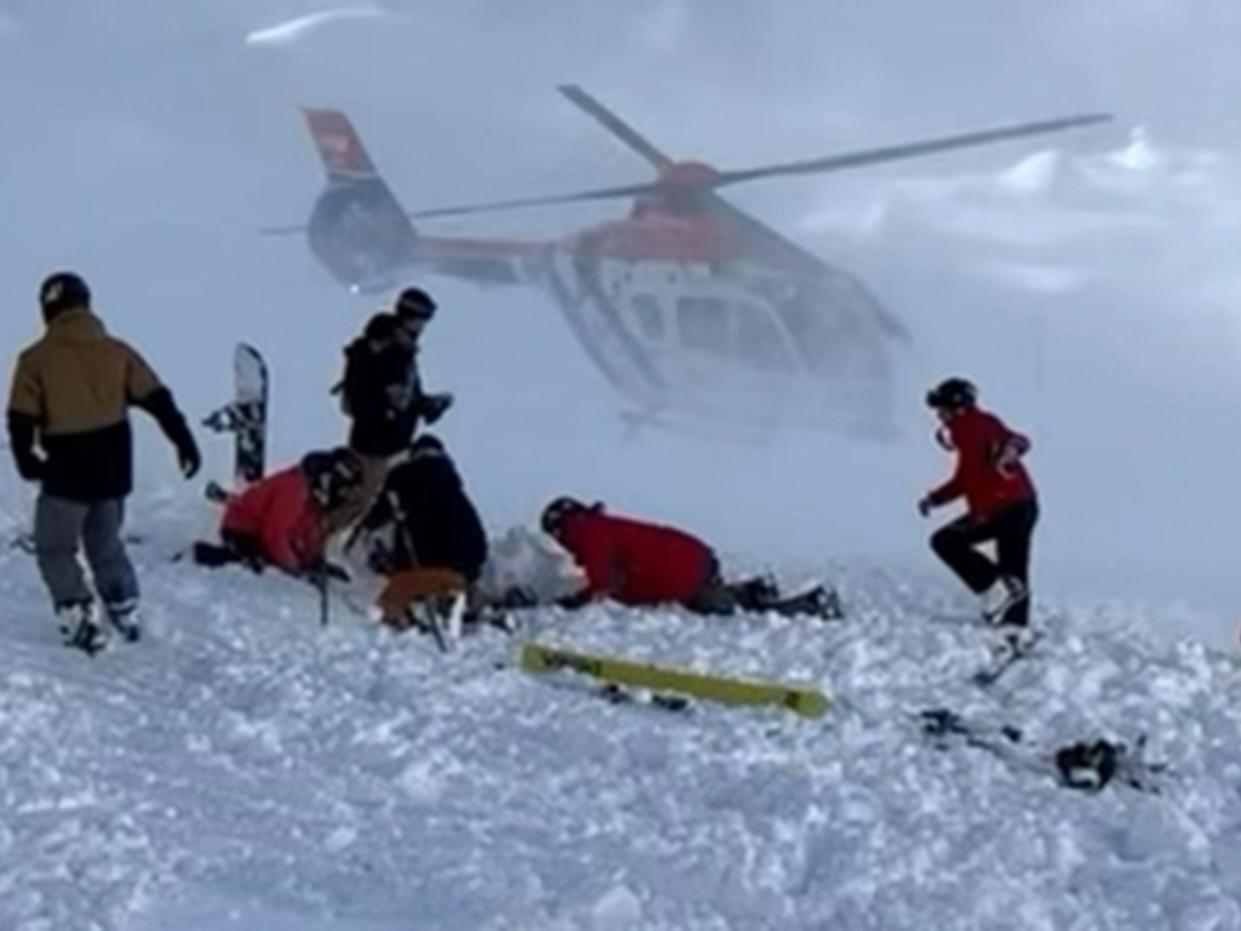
245 768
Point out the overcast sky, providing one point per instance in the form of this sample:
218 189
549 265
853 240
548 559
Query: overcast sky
146 142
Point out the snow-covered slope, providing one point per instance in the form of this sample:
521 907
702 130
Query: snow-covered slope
243 768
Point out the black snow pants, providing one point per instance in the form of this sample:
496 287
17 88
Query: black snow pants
1012 530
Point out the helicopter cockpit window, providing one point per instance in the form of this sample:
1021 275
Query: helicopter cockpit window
807 324
758 340
704 324
649 316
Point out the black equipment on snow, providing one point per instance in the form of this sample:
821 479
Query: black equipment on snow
761 593
952 394
1088 766
941 722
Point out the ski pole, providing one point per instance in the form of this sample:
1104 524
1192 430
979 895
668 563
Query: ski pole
324 605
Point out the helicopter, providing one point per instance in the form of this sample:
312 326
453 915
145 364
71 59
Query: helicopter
693 310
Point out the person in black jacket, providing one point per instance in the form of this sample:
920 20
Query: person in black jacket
69 431
382 390
424 519
423 534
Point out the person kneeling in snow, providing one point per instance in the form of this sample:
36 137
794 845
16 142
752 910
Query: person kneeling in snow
1001 499
637 563
285 520
423 533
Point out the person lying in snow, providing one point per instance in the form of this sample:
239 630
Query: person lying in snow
423 533
286 519
638 563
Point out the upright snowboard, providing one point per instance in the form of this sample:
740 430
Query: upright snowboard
246 416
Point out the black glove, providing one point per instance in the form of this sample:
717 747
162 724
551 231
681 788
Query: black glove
32 468
434 406
188 456
30 465
160 405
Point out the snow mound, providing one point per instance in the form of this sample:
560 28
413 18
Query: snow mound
243 767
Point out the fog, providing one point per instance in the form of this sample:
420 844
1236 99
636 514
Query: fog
1088 282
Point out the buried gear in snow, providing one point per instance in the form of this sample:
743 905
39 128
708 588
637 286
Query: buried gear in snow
1088 766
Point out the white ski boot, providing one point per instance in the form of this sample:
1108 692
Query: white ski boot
1003 595
123 616
79 629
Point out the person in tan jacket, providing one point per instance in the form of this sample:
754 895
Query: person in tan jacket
69 430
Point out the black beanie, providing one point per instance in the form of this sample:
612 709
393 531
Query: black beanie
415 303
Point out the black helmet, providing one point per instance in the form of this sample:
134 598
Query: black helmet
62 291
952 394
556 512
414 304
332 475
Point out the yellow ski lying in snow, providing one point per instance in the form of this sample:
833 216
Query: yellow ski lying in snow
804 700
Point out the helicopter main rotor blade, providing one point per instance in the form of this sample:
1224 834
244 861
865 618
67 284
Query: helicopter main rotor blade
629 190
812 166
908 150
615 125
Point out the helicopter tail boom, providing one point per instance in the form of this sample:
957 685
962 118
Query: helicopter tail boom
340 147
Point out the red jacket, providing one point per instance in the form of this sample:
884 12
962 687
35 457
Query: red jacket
279 513
989 474
636 563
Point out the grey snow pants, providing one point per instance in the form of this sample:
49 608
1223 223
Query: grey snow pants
60 526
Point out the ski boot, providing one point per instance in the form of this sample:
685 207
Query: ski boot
123 616
820 601
757 594
1004 594
78 628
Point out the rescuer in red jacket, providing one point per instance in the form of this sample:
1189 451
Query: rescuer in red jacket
285 519
637 563
1001 501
